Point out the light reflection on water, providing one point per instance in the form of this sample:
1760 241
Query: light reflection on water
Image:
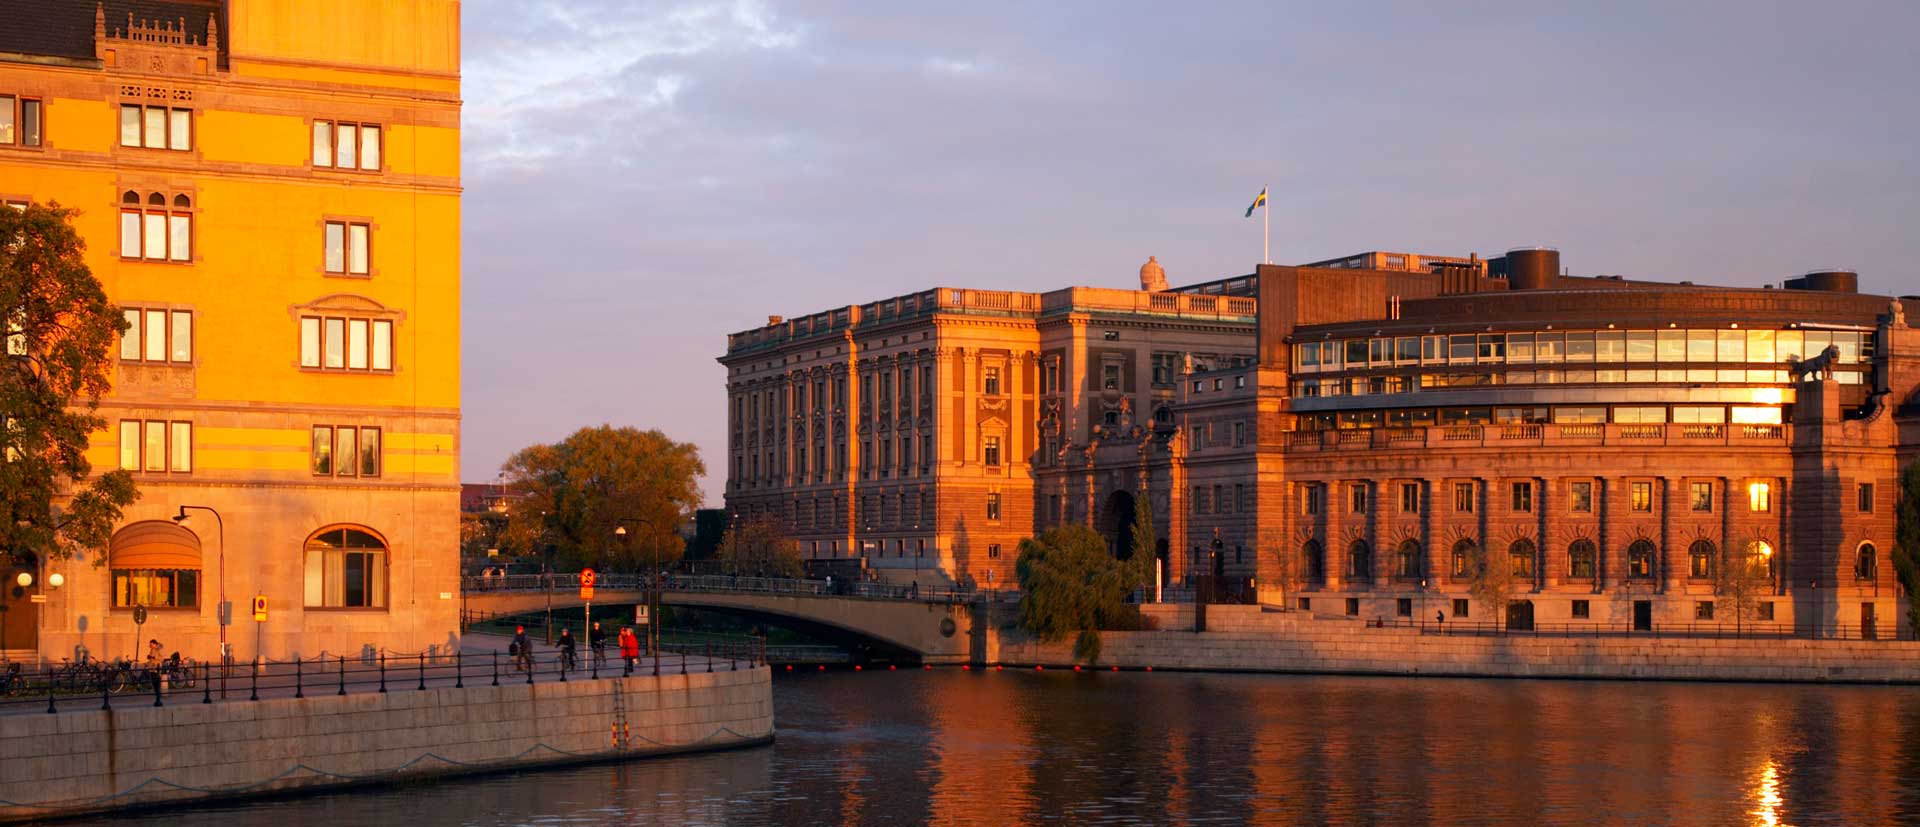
993 749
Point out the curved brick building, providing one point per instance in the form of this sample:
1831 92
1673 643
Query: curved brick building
1387 420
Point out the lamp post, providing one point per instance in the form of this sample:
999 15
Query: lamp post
224 611
653 573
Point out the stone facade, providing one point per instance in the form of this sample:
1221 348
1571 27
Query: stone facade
1638 437
272 193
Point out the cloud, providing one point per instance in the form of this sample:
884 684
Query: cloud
644 179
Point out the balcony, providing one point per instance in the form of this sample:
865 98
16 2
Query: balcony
1537 436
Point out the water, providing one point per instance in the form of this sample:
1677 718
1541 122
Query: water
1003 748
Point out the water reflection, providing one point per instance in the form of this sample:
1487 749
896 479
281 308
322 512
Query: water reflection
984 749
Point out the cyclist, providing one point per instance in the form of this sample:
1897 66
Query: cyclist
522 650
567 650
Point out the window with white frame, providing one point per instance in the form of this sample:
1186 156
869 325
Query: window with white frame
347 248
346 451
20 121
156 127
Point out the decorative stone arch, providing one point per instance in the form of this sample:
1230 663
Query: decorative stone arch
346 566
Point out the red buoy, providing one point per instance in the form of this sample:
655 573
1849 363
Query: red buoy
856 667
1149 669
1076 667
927 666
789 667
998 667
823 667
1038 667
965 667
1116 668
889 667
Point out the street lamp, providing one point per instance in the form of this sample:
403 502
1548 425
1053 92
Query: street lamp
653 574
224 610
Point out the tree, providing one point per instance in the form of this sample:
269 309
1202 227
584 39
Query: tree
1492 582
572 495
757 547
1145 545
59 336
1906 542
1284 572
1742 577
1070 585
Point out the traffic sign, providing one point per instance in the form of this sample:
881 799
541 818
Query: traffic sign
640 614
260 608
586 584
139 615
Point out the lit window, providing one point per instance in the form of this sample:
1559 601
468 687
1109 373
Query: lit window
1580 497
993 506
1357 498
346 568
992 382
1523 496
156 127
990 453
1760 496
1640 560
19 121
1581 555
156 228
1641 497
157 336
1463 497
1702 496
1409 498
346 248
1700 560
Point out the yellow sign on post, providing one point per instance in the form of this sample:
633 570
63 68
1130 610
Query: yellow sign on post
260 608
586 584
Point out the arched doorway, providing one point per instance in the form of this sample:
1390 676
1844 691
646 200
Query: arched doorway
1120 507
19 615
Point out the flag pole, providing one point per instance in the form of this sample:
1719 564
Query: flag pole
1266 222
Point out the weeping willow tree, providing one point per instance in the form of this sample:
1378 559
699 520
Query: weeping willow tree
1071 586
1906 545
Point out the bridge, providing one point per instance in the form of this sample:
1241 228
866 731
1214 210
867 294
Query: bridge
881 621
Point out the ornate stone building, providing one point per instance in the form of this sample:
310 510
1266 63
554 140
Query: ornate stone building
1612 444
271 193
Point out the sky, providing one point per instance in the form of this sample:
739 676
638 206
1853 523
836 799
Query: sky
644 178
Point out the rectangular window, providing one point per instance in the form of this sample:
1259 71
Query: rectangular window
156 127
1523 496
1865 497
345 578
993 506
1701 496
1461 608
993 551
1641 497
346 451
346 146
1110 377
356 344
154 232
1580 497
1582 609
310 342
335 346
322 143
992 381
346 248
1357 498
1314 499
1703 610
990 453
1221 503
1409 498
156 446
1760 496
19 121
157 336
1463 497
163 588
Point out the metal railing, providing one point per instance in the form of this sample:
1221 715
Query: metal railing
97 685
1716 630
730 584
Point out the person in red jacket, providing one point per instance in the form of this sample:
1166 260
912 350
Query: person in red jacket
629 646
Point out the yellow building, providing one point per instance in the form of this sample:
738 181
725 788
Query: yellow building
271 190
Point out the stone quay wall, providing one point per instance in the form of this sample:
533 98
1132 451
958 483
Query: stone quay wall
68 763
1247 639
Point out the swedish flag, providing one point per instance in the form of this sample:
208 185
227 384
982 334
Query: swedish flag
1258 202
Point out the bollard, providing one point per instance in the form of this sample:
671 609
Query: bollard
423 672
299 683
206 683
106 688
594 661
496 667
50 709
533 663
459 670
343 676
683 661
656 663
156 687
256 682
383 672
709 657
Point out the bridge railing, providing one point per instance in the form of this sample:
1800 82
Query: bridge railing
731 584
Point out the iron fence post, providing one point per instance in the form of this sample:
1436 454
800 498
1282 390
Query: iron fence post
533 663
50 690
343 676
423 672
459 670
496 667
206 683
256 681
383 672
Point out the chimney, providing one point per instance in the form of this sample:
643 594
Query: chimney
774 320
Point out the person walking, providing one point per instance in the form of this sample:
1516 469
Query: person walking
568 651
521 649
629 647
597 645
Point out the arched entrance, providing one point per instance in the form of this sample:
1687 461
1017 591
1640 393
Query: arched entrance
19 615
1120 523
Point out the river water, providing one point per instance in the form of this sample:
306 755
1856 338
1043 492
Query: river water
1011 748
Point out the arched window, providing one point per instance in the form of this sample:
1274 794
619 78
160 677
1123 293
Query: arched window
154 232
1316 561
155 199
346 568
1640 560
1760 556
1462 563
1581 559
1700 560
1520 558
1866 564
130 197
1406 560
1359 561
182 201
